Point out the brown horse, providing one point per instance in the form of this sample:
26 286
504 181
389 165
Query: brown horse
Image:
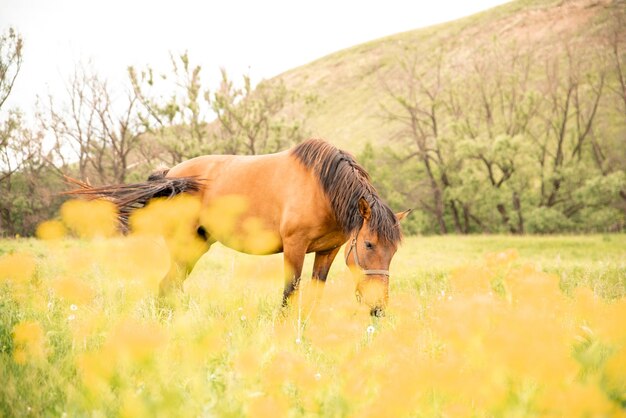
311 198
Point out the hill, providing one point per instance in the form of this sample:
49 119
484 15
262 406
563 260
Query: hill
349 82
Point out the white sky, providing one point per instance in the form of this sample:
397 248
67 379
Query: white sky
264 38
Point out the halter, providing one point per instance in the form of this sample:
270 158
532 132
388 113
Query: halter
356 261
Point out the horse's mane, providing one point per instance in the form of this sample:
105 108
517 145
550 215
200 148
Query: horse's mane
345 181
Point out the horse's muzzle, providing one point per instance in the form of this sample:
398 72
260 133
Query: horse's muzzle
373 294
377 311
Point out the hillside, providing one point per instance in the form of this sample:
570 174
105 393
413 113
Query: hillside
349 82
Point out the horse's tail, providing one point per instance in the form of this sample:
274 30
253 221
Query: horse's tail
128 197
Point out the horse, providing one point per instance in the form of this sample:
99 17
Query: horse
313 197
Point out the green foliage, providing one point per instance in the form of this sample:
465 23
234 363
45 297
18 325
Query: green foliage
394 181
510 141
256 120
172 109
545 220
27 181
187 119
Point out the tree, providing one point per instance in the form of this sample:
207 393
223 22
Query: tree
572 96
414 107
508 140
119 132
27 182
615 39
25 198
172 110
99 132
178 111
254 120
496 104
11 45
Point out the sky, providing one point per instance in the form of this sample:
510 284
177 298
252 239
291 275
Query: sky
262 38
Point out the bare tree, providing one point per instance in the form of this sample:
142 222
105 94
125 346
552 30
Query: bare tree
474 134
616 39
496 105
11 45
73 123
415 105
571 104
119 134
101 133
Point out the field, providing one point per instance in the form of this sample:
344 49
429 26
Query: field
477 326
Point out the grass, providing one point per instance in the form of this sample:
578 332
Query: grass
596 261
477 326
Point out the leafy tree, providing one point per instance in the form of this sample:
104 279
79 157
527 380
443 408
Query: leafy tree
395 180
255 120
27 180
172 111
247 119
416 102
507 141
496 103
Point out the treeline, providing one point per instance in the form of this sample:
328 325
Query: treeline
100 135
508 140
503 139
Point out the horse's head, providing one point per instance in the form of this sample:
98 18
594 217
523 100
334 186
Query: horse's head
368 256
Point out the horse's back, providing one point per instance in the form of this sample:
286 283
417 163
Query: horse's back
199 167
257 177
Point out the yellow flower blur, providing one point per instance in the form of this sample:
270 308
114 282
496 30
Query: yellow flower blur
497 336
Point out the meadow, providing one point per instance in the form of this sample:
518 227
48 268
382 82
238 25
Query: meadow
477 326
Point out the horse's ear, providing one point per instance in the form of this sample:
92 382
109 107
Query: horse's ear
401 215
364 209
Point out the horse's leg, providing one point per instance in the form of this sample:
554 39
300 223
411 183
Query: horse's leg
321 266
322 263
294 259
180 269
173 280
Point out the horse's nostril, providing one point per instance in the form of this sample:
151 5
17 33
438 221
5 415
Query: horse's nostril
377 312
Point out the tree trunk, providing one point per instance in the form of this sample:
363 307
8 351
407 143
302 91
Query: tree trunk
517 205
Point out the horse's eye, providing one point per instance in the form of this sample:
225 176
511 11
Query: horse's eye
369 245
